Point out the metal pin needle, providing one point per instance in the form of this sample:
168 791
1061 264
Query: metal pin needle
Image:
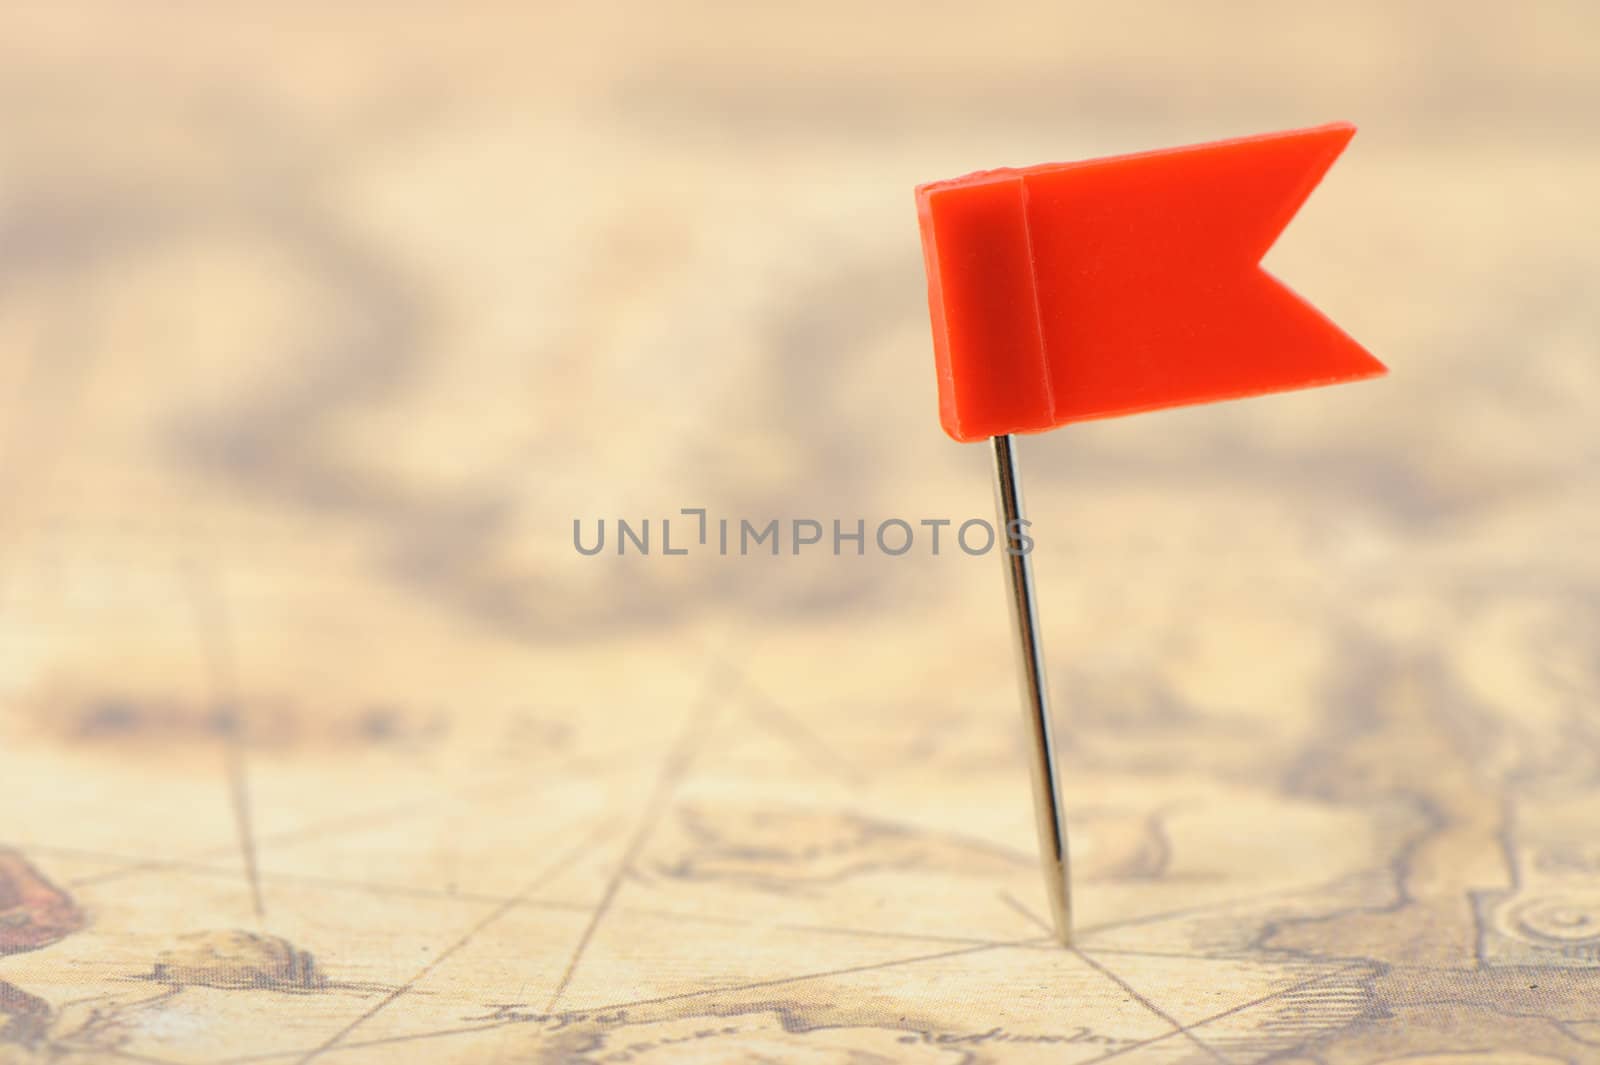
1052 821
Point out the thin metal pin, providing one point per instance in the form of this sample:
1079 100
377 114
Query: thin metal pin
1036 700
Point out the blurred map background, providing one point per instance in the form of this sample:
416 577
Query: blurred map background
320 325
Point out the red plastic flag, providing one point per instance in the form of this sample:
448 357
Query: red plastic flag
1071 291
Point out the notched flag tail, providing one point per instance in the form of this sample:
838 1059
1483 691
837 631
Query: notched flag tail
1071 291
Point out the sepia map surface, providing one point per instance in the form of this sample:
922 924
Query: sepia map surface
320 741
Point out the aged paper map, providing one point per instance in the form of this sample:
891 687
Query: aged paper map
320 742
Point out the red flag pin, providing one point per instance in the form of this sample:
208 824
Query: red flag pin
1071 291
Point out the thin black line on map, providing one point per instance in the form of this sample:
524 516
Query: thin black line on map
361 1044
1229 1012
214 632
1243 955
549 873
696 725
371 887
316 830
869 967
405 891
1177 1027
875 933
1189 911
767 711
408 891
1031 917
611 1008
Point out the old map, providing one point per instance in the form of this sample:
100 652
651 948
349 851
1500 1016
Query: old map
320 741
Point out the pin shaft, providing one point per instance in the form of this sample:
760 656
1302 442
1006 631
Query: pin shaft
1036 700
